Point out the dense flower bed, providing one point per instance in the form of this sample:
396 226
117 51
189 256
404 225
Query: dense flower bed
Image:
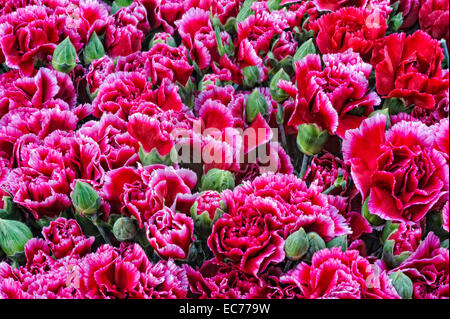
224 149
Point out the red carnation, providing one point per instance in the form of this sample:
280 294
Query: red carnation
354 28
170 233
27 37
428 269
65 238
334 274
400 171
409 67
327 97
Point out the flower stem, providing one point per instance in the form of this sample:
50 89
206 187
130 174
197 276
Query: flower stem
287 266
100 230
444 47
304 165
283 137
329 189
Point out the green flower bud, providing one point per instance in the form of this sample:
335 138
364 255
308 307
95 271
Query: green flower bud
296 245
217 180
154 157
170 41
85 199
256 104
402 284
316 242
371 218
388 255
124 229
311 139
9 210
94 49
340 241
64 57
388 229
395 105
251 76
13 236
278 94
306 48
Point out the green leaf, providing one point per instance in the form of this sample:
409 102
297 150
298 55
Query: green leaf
273 5
305 49
245 10
402 284
256 104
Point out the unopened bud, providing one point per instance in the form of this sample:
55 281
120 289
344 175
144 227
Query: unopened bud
296 245
217 180
311 139
124 229
65 56
85 199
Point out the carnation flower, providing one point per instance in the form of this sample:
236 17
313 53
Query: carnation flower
329 97
65 238
433 19
399 74
334 274
427 267
401 156
170 234
355 28
27 37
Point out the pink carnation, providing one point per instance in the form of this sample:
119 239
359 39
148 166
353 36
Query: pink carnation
334 274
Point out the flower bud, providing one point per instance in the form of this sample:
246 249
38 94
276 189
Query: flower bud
311 139
278 94
340 241
94 49
316 243
167 39
206 210
124 229
64 57
402 284
8 210
391 260
388 229
371 218
13 236
251 76
153 157
256 104
394 105
217 180
85 199
296 245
